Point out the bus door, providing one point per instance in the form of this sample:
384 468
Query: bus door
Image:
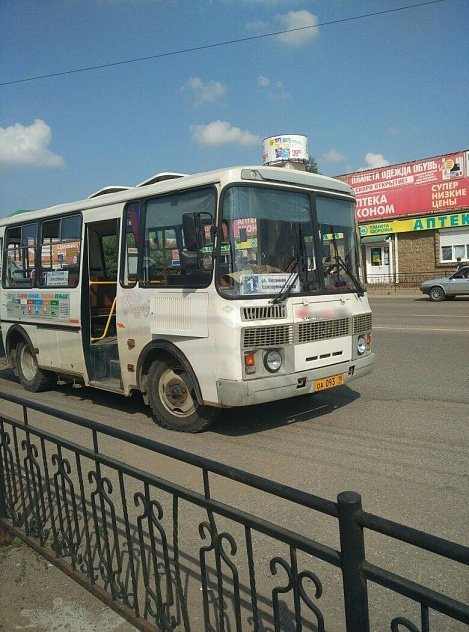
99 304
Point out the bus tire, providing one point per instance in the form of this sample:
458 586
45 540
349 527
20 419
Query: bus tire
30 375
173 402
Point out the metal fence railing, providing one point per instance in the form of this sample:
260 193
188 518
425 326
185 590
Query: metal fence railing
407 280
168 555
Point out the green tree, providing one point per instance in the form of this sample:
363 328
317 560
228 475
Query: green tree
312 165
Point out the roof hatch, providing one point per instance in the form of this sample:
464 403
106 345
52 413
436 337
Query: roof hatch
161 177
110 189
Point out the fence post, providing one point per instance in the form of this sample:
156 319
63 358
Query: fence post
5 535
352 556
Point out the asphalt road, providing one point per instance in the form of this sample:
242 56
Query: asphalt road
398 436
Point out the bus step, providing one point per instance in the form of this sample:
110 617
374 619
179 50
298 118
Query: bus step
115 370
108 384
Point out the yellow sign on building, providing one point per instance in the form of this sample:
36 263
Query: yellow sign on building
433 222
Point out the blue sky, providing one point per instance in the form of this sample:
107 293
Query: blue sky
366 92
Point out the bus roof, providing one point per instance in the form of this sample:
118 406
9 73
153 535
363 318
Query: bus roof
155 185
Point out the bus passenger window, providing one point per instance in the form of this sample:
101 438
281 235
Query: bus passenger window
20 249
60 252
131 240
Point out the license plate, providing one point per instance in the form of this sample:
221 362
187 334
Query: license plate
328 382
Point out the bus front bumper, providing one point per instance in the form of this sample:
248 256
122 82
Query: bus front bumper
268 389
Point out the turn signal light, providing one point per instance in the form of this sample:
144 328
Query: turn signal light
250 363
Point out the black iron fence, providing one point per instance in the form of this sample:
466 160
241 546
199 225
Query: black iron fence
173 556
403 281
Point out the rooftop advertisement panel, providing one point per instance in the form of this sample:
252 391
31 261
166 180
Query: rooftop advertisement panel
425 186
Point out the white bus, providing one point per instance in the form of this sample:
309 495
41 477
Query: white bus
229 288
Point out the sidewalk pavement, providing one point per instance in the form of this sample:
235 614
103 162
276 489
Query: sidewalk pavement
38 597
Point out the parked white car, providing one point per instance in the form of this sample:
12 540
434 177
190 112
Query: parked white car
447 288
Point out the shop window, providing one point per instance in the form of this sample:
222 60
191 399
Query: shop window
451 253
454 243
376 257
446 253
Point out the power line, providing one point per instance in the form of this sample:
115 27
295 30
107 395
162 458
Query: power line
219 44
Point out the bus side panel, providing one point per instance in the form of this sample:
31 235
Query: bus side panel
55 331
60 350
137 321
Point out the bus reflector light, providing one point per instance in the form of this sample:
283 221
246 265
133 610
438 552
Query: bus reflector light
131 343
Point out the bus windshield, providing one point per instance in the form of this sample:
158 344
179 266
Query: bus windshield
269 245
338 243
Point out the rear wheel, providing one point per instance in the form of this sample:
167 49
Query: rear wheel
173 399
30 375
437 294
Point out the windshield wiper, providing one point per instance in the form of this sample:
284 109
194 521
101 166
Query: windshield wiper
340 263
289 284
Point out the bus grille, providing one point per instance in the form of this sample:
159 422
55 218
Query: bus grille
362 323
275 336
281 335
322 330
264 312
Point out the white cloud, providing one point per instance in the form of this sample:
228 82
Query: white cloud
258 25
203 92
28 146
219 133
298 20
333 156
274 89
374 161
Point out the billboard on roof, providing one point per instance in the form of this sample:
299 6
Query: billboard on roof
288 147
432 185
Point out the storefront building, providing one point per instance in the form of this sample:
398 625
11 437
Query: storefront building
413 217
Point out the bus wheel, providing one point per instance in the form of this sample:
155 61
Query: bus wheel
173 401
29 374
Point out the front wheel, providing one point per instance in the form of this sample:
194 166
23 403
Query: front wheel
173 400
437 294
30 375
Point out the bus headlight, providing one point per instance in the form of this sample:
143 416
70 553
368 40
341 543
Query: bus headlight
272 360
361 345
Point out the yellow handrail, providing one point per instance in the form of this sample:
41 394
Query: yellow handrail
108 322
103 282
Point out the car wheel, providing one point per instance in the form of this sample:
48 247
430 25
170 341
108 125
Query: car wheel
30 375
437 294
173 400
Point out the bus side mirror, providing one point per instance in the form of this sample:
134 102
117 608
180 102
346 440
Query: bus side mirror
190 256
190 260
191 231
